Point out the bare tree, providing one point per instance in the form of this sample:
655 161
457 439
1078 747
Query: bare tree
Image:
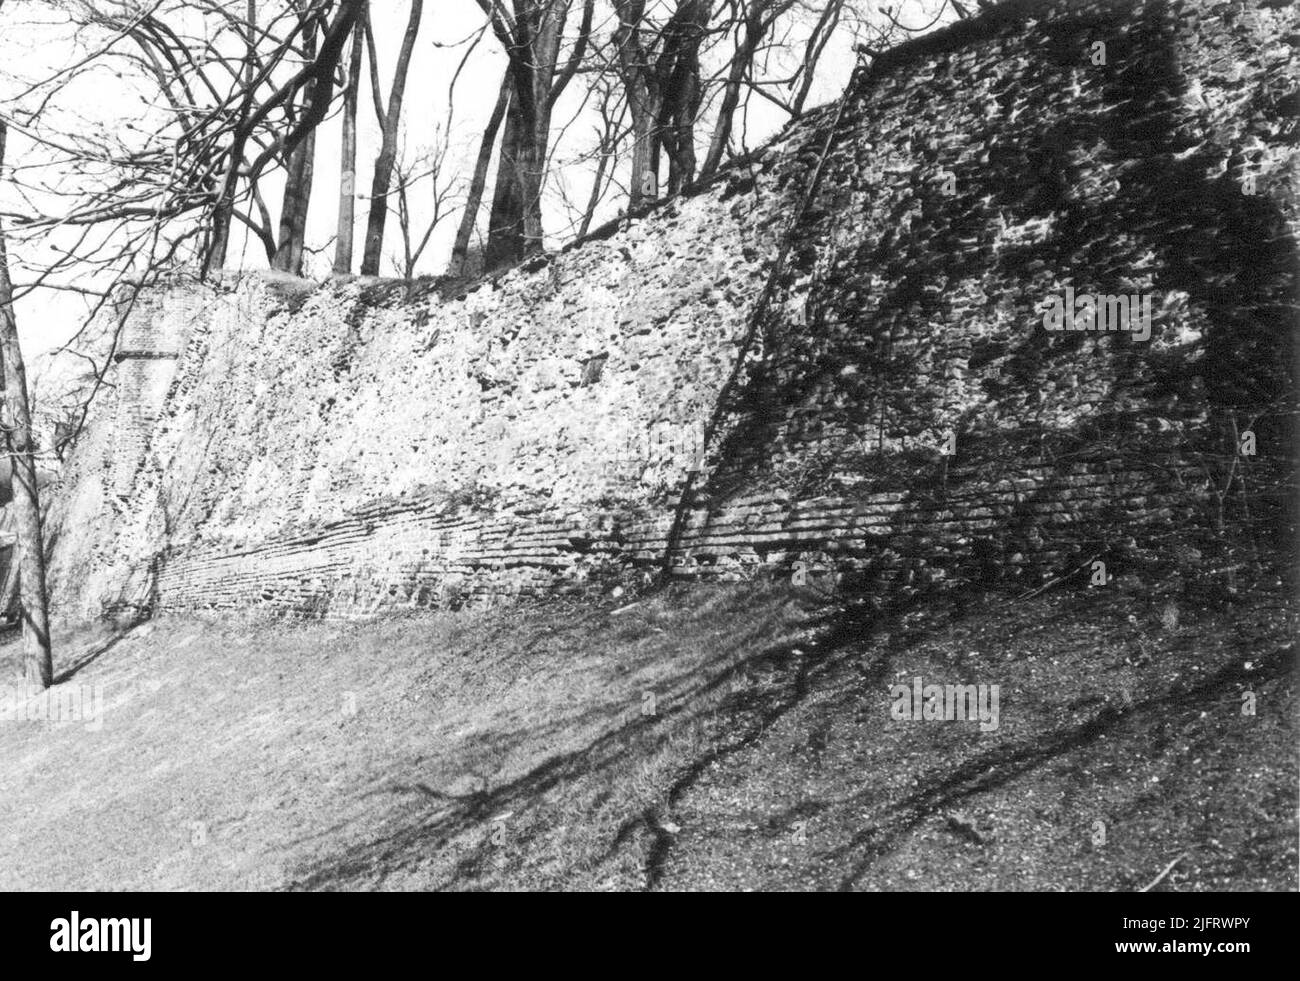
431 165
233 111
474 198
660 70
607 138
821 33
224 210
389 118
757 21
348 154
127 200
300 164
315 79
38 665
530 34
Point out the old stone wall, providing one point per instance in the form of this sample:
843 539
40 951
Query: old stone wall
872 371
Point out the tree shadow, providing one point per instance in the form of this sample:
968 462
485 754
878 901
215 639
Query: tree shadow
1139 194
848 651
88 657
691 697
998 767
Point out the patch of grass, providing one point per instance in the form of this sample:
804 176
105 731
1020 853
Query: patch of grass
515 748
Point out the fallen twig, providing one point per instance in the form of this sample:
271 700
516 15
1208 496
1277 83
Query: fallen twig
1058 579
1168 868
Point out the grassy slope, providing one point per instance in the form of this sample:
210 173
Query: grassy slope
510 749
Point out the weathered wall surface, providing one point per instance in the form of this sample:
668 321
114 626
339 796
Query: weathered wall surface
338 451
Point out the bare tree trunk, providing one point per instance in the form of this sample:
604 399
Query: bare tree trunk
643 101
532 174
297 182
460 249
608 160
388 149
505 242
684 93
663 92
515 226
826 24
223 211
645 153
755 27
348 158
38 664
593 201
293 212
532 43
681 165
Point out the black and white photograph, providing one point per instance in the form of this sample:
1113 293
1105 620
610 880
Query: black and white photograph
649 446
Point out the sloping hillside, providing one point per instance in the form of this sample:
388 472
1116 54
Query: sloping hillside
516 749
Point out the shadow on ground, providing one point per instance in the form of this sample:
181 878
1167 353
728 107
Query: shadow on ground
782 767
